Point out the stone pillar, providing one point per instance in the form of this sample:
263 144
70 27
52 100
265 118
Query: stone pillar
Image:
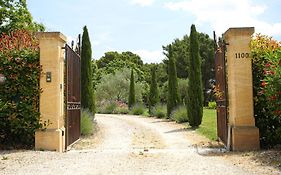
244 134
52 98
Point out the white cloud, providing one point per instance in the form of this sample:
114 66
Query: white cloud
223 14
150 56
143 2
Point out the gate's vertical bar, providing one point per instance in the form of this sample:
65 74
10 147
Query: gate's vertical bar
225 102
220 74
78 67
66 96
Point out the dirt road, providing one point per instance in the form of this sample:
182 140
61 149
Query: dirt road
129 145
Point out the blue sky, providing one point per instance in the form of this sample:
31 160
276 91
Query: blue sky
143 26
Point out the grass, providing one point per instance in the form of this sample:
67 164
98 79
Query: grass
208 127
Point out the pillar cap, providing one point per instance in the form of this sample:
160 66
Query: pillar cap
49 35
239 31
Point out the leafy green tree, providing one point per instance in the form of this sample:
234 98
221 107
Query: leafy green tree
195 90
107 58
113 61
183 90
206 52
124 56
87 90
173 94
162 74
15 15
120 80
132 97
153 93
180 55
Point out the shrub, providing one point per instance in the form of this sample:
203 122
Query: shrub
20 117
212 105
138 109
113 107
180 114
107 107
159 111
87 119
110 108
121 110
266 54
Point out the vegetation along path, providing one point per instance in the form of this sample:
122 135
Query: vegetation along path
128 144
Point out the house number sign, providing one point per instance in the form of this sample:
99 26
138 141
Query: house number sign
242 55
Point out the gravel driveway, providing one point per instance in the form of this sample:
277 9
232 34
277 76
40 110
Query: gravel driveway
129 145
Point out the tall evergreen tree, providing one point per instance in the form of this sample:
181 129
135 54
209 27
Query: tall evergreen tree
87 96
173 92
95 73
94 82
180 49
195 89
153 93
132 97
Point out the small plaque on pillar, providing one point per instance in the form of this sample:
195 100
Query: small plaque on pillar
48 77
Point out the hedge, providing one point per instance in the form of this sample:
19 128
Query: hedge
19 63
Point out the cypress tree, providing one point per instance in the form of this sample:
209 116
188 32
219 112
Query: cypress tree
173 93
87 98
132 98
195 88
94 80
153 93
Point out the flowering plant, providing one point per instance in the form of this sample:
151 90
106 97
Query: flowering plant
271 84
19 63
266 54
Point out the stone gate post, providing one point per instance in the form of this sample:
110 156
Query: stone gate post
52 97
244 134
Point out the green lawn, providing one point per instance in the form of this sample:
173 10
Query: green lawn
208 127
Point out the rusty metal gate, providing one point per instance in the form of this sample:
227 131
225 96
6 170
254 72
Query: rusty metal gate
221 90
73 102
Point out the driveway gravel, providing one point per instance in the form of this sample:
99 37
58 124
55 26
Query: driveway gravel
134 145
